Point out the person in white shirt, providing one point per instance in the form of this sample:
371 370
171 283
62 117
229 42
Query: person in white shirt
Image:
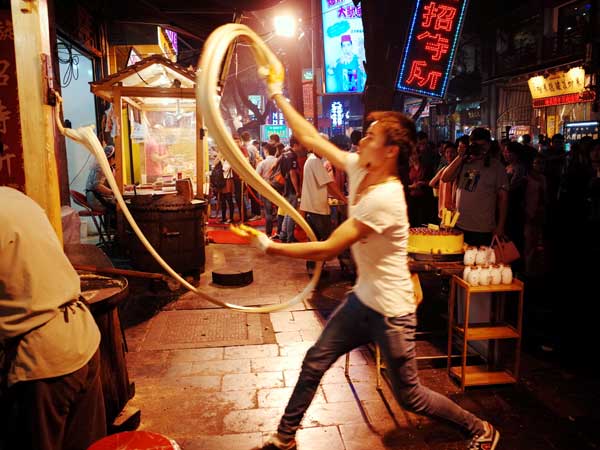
254 159
382 304
53 398
314 201
264 169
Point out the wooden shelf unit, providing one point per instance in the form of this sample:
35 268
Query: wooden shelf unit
481 375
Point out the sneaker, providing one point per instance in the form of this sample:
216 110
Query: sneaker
279 442
487 440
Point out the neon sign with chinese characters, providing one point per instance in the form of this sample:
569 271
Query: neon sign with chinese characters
429 52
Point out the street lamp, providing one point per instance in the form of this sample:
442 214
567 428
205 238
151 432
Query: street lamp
285 26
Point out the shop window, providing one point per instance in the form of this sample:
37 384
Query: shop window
574 18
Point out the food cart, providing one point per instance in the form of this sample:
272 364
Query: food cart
161 158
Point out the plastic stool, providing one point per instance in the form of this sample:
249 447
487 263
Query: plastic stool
135 440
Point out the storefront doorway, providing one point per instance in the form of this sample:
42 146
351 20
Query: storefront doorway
76 72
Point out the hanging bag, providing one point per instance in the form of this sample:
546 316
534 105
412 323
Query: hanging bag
275 177
505 250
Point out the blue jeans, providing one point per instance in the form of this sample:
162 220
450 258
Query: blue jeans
320 224
353 324
268 216
288 223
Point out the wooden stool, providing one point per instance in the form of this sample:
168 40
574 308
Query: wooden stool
135 440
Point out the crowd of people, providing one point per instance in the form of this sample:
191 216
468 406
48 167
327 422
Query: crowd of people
508 188
505 188
304 179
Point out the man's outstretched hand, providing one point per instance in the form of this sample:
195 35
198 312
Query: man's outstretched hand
274 76
256 238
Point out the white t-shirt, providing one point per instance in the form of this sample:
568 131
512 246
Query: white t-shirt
314 187
383 282
265 166
36 278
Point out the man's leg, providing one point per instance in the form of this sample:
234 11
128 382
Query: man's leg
254 202
345 330
321 226
86 422
223 201
396 338
43 409
288 223
268 216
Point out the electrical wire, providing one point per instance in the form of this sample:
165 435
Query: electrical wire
80 170
71 62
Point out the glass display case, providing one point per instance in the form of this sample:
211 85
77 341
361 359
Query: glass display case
166 143
160 158
152 119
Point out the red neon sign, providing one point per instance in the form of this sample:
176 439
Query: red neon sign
443 15
429 51
565 99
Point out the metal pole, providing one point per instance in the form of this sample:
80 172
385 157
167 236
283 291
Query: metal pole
313 36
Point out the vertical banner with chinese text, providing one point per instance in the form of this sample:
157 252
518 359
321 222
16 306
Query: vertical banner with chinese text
344 47
429 53
12 172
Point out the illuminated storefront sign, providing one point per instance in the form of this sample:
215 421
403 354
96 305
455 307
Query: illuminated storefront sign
277 118
429 52
281 130
344 46
338 115
558 84
585 96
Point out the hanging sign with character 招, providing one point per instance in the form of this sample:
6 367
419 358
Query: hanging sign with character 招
430 48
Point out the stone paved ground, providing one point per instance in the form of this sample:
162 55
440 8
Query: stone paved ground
225 398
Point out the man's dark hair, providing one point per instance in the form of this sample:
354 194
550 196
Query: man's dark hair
517 149
275 138
246 136
464 139
399 130
480 134
279 148
270 148
355 137
422 135
294 141
341 141
526 139
449 144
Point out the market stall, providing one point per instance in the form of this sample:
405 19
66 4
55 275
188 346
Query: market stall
161 157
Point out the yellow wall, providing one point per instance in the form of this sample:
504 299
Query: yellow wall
135 151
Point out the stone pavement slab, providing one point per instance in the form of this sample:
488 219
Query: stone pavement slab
230 397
